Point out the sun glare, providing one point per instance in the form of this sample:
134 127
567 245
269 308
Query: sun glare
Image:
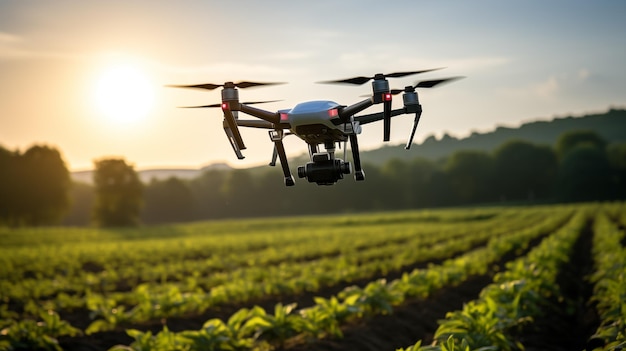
123 94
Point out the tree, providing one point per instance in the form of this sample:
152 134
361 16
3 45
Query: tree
399 187
238 191
470 174
207 195
47 184
34 186
617 158
425 176
585 174
81 210
167 201
7 185
119 193
569 140
524 171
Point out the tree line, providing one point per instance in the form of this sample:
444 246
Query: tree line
581 166
34 186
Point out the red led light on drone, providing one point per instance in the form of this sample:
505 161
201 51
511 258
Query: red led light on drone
284 117
387 96
225 106
333 113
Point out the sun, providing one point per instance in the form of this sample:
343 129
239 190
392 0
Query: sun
123 94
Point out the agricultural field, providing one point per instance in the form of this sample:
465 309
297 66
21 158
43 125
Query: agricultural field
494 278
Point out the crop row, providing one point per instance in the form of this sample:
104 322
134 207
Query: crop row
41 271
610 284
257 328
48 253
527 290
201 289
283 280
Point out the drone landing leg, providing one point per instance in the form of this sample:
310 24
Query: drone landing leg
356 157
232 138
280 150
274 156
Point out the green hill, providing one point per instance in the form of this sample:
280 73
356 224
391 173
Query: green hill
611 125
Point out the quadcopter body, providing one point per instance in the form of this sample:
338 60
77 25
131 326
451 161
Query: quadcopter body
318 123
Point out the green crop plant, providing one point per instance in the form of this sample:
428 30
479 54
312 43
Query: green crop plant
377 297
165 340
328 314
516 296
217 335
449 345
36 335
277 328
609 280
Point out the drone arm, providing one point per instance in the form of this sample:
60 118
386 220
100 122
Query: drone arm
272 117
349 111
256 124
374 117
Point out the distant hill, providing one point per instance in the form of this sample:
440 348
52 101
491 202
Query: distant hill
147 175
610 125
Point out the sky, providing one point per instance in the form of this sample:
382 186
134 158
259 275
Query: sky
89 77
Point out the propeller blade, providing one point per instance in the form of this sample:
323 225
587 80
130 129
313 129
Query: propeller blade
404 74
244 85
197 86
211 86
435 82
424 84
260 102
202 106
362 80
220 105
356 81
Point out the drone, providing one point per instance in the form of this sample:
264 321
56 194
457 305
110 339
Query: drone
319 122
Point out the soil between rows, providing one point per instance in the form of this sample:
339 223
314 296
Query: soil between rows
572 318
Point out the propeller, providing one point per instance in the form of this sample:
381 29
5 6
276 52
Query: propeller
220 105
362 80
424 84
210 86
411 103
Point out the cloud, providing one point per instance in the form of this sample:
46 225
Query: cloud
548 88
476 63
218 69
16 47
8 38
290 55
551 87
8 43
388 57
583 74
